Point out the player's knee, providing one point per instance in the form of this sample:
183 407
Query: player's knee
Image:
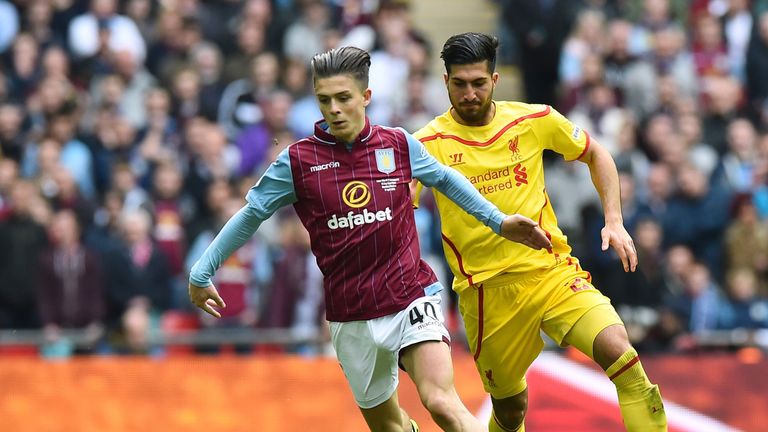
610 344
439 403
510 412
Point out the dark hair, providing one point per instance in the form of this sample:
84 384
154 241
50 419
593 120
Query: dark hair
342 61
468 48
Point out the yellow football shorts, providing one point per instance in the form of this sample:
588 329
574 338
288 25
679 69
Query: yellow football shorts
504 316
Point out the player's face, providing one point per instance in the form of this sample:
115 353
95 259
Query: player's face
470 88
342 103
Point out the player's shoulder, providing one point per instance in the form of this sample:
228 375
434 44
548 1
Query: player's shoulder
515 111
439 125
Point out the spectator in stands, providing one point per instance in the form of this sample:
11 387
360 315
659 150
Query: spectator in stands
700 154
746 240
250 43
254 141
102 18
722 98
737 165
21 240
9 174
22 72
670 57
744 309
587 36
74 154
708 48
239 106
737 28
304 38
697 216
757 70
70 290
760 191
173 211
697 308
212 157
617 56
290 277
12 136
206 59
660 185
539 27
160 140
38 22
647 286
9 24
629 158
599 114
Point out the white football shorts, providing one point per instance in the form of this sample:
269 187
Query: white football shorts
368 351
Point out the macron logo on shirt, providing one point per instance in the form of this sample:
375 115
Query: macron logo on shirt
325 166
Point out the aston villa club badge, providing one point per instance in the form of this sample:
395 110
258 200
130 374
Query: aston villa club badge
385 160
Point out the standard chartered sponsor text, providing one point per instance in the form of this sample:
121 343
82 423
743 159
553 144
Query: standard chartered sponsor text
352 219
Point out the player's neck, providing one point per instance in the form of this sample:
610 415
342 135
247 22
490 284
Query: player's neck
487 118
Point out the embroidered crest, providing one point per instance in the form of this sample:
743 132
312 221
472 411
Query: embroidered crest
385 160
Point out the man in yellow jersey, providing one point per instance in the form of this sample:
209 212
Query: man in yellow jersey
509 292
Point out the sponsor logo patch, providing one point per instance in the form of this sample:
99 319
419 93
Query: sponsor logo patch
356 194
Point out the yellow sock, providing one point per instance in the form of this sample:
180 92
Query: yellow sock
494 426
640 401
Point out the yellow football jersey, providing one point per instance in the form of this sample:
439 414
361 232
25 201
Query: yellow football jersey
503 160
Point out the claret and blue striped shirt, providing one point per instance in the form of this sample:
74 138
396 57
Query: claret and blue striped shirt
355 202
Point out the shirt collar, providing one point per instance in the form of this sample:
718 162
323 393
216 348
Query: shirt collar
322 134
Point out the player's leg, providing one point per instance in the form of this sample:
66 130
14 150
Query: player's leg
508 414
372 375
579 315
430 367
600 334
388 417
502 321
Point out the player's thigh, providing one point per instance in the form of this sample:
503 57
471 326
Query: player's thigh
503 331
371 370
568 320
430 366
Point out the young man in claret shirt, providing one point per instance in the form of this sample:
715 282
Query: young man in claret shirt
349 184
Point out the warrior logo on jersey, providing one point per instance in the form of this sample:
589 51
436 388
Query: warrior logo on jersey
515 148
356 194
385 160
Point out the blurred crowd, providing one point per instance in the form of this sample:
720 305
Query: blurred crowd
131 130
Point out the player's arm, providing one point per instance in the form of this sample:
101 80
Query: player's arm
562 136
605 177
458 189
273 190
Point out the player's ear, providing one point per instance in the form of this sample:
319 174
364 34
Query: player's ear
445 78
495 78
367 97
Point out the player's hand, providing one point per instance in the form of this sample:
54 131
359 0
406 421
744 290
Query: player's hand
521 229
617 237
206 299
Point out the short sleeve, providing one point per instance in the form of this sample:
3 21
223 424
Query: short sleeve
561 136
